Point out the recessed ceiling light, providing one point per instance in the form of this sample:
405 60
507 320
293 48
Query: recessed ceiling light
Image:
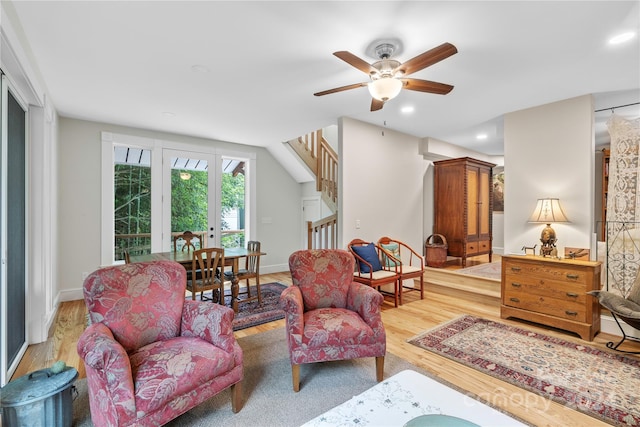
407 109
481 136
621 38
199 69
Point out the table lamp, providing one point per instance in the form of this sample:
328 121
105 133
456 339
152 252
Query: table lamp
548 211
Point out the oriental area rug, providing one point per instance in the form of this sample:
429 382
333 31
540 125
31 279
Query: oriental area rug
598 383
251 313
491 270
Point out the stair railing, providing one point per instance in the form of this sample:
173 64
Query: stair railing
322 160
323 234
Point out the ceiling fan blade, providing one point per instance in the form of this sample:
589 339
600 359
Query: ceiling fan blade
340 89
376 104
426 86
356 62
426 59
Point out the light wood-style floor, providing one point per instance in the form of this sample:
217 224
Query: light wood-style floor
410 319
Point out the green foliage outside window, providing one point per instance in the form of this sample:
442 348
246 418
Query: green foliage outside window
132 190
188 206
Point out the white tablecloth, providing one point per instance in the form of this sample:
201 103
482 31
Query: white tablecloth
407 395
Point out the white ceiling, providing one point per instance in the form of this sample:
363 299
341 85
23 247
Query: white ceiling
245 72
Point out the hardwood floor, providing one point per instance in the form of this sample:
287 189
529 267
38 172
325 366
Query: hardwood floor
413 317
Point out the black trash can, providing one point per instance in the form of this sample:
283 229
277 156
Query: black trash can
40 398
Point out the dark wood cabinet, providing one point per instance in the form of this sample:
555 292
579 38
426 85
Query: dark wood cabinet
463 206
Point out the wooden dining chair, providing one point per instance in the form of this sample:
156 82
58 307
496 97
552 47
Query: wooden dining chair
129 252
205 274
188 237
251 270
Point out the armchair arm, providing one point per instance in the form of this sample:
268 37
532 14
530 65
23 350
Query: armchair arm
414 257
293 306
210 322
109 371
366 301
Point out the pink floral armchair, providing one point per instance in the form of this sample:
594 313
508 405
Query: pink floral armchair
328 315
149 354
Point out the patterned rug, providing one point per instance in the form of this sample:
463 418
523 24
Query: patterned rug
491 270
601 384
251 313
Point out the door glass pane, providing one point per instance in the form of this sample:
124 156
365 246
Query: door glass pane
132 204
16 230
233 203
189 199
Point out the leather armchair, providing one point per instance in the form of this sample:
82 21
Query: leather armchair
149 354
328 315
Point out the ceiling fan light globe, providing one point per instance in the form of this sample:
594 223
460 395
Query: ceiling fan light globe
385 89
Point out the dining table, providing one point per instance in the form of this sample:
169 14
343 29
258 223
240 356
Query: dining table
231 259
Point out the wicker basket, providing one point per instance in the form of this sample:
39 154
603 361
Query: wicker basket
436 253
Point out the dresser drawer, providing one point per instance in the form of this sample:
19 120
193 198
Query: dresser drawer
558 289
543 272
563 308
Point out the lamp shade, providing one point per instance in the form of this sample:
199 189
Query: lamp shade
385 88
548 211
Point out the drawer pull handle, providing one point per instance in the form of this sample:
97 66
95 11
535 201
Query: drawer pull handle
572 276
515 268
572 295
571 313
514 299
515 285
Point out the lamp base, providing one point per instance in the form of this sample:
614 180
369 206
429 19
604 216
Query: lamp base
548 239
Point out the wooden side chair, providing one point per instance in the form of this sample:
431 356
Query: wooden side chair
370 270
411 263
189 239
205 274
251 270
129 252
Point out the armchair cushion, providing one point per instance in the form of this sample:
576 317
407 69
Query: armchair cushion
170 368
370 255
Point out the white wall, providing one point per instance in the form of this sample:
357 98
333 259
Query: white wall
278 201
381 176
549 152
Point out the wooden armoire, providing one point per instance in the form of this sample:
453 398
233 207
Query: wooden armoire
463 206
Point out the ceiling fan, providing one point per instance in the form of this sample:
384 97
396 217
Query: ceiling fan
388 76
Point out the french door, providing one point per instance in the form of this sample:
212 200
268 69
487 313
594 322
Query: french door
190 197
154 190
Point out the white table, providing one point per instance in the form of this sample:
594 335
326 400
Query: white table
407 395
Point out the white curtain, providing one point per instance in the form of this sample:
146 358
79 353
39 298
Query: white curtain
623 204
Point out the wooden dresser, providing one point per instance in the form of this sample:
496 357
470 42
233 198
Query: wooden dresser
552 292
463 206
